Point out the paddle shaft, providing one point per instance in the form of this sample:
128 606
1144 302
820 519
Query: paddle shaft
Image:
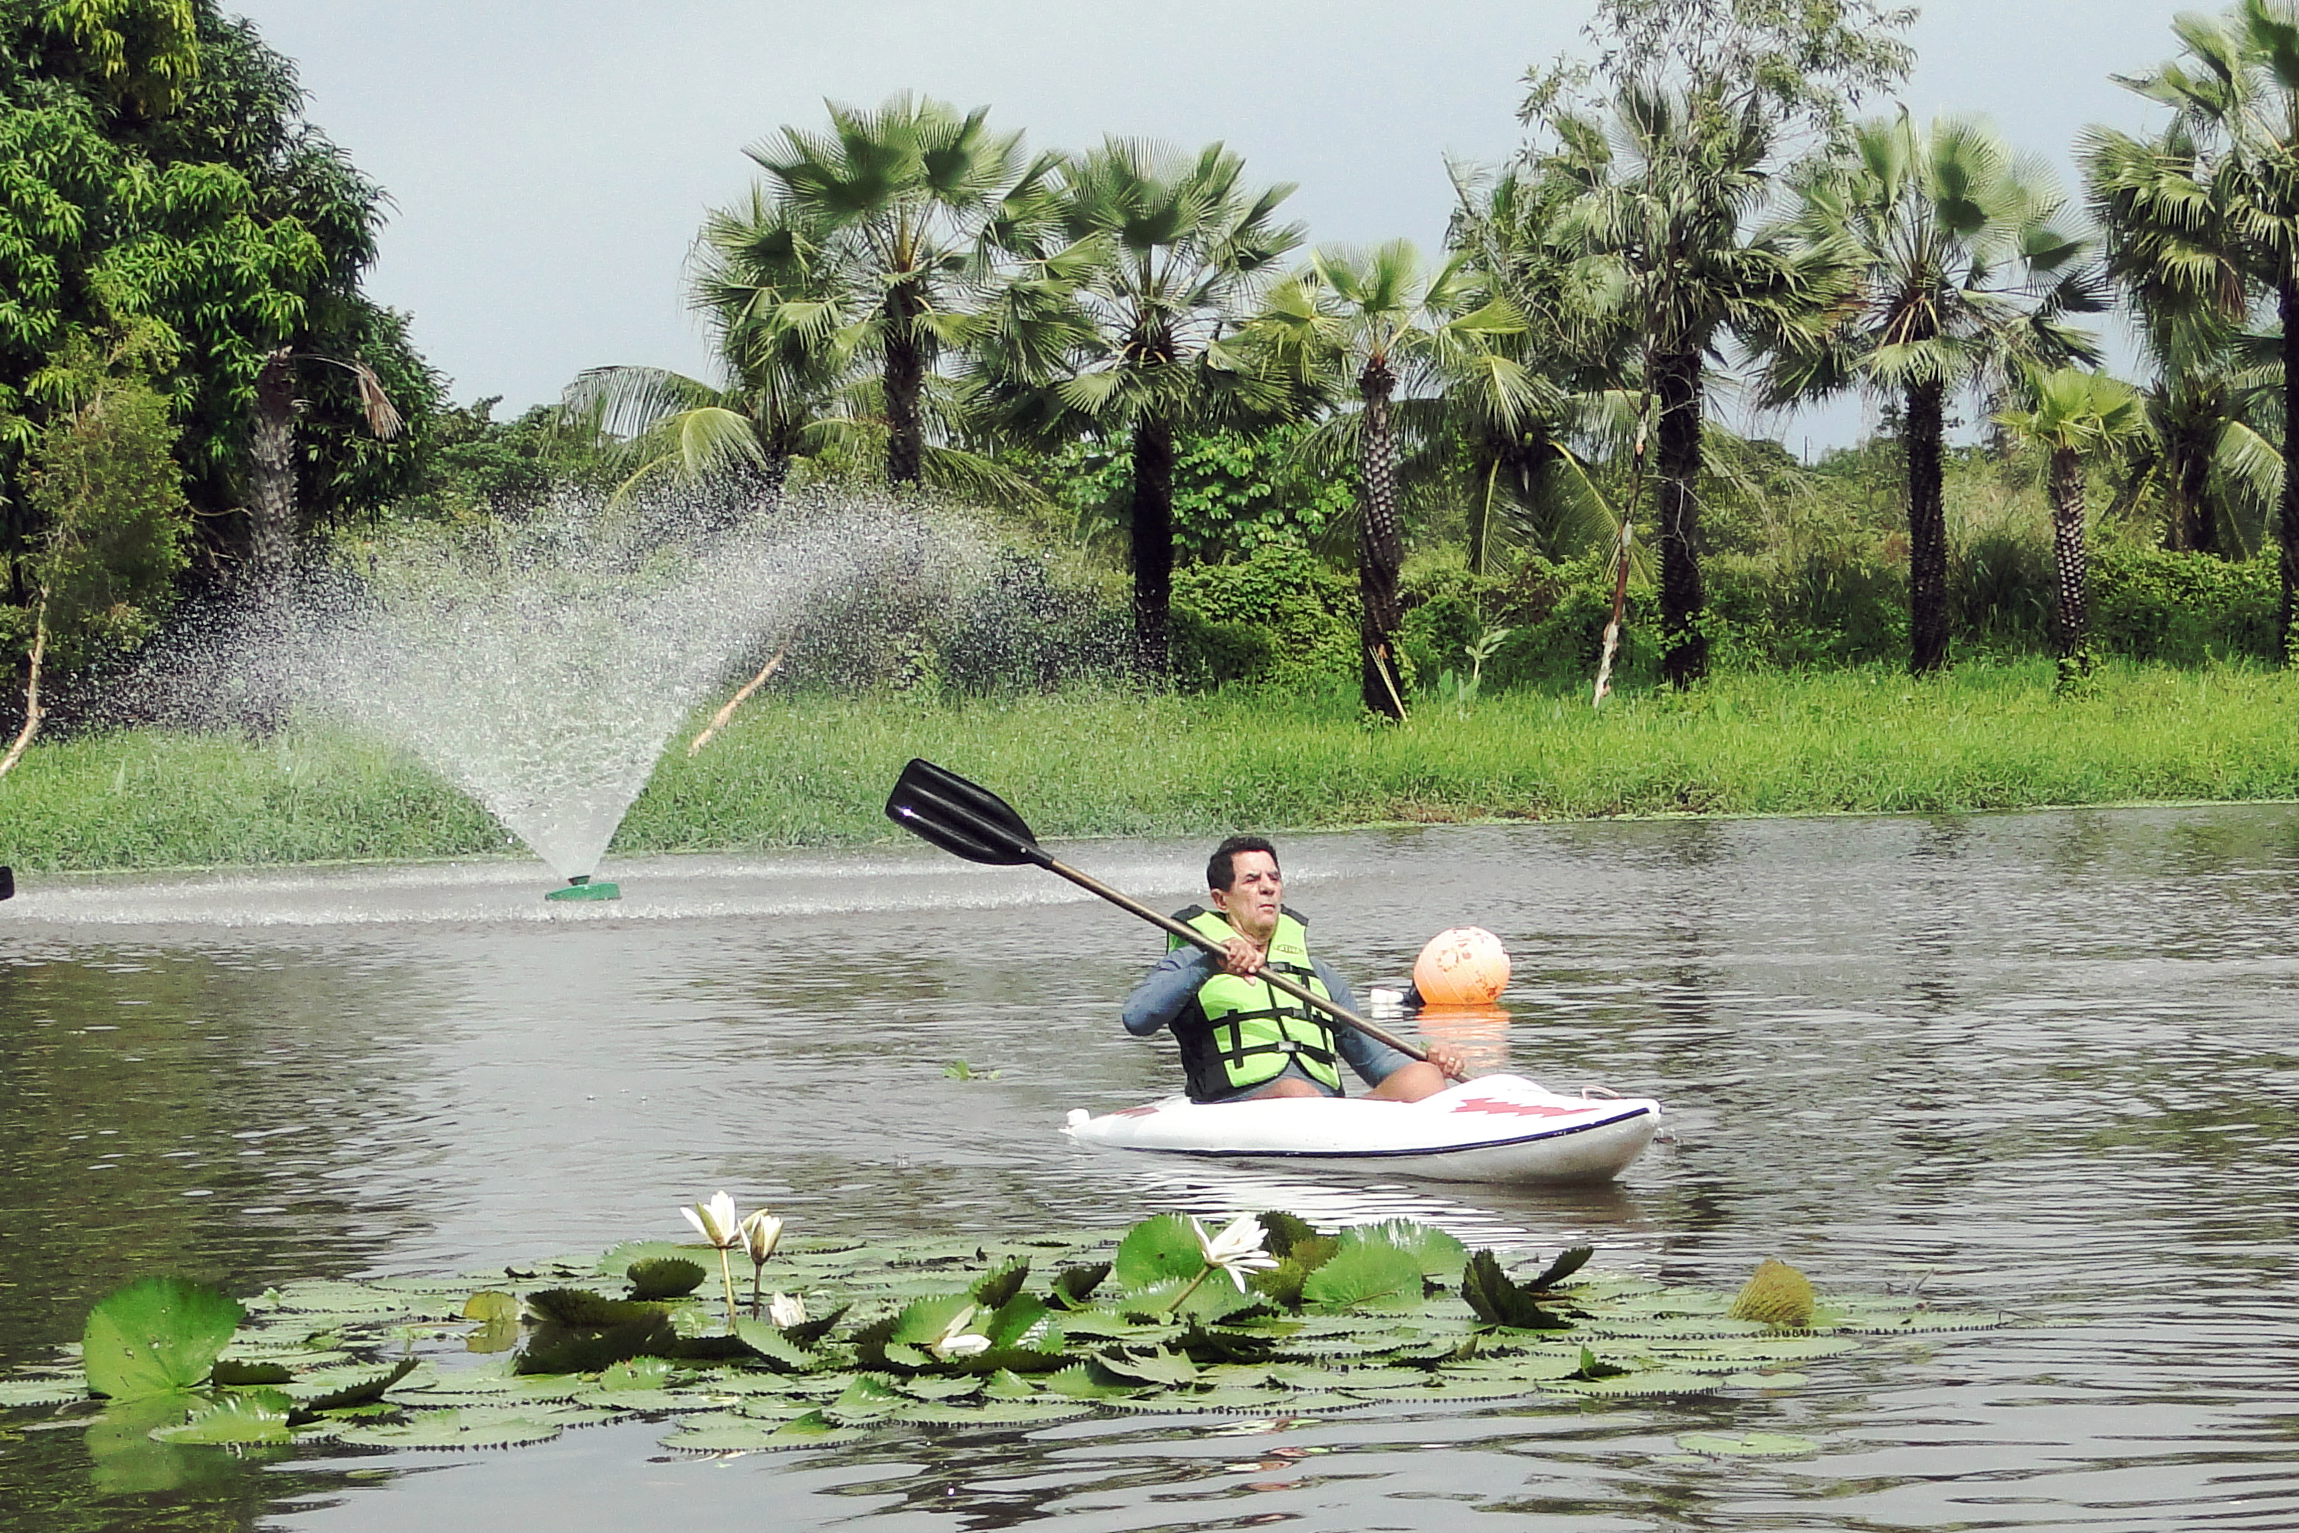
1196 938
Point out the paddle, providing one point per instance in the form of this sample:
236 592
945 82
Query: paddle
971 821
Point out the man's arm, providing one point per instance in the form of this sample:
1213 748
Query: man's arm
1373 1060
1167 989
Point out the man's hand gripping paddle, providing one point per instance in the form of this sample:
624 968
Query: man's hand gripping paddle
969 820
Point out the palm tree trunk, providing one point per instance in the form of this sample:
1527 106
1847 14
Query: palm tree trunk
1683 644
1927 531
1152 546
2071 613
905 383
2287 523
271 497
1380 548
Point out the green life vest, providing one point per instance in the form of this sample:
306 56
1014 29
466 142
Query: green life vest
1241 1032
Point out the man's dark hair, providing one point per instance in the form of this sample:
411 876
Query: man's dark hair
1221 871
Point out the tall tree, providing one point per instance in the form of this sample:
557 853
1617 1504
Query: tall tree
888 229
1963 268
2203 222
1376 323
1677 218
2070 412
1120 332
164 173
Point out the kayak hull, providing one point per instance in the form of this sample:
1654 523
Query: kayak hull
1499 1128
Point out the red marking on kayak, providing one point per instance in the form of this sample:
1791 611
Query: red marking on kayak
1514 1109
1133 1112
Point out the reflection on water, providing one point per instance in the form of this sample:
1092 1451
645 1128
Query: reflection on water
2042 1061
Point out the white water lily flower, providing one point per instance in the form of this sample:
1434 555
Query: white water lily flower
956 1340
760 1233
1237 1249
716 1221
786 1310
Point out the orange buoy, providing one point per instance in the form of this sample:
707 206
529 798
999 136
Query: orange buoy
1466 966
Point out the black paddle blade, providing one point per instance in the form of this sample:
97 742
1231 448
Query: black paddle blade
7 883
961 817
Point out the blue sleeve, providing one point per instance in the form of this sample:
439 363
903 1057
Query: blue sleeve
1373 1061
1167 990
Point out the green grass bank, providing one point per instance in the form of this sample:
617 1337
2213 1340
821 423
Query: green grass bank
814 771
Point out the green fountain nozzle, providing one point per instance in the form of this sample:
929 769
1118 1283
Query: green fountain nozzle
580 887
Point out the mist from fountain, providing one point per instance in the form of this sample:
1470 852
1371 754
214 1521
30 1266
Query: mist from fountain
541 665
540 662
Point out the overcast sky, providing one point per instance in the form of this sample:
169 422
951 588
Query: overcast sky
550 160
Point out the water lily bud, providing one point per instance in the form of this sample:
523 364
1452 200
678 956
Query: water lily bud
760 1234
786 1310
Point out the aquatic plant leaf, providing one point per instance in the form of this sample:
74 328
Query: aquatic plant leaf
664 1277
1073 1285
233 1373
920 1386
1158 1250
1283 1231
1593 1368
1498 1300
1091 1381
1748 1445
581 1307
648 1373
572 1349
456 1429
771 1342
1006 1384
1216 1298
156 1336
45 1391
993 1289
1038 1412
244 1416
361 1392
1219 1344
1154 1367
1440 1254
866 1399
125 1460
1776 1295
812 1430
807 1333
1567 1263
1366 1275
929 1320
1022 1321
1657 1381
1105 1324
490 1306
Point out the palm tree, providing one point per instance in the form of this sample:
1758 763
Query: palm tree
1374 322
1121 330
1674 223
1962 270
2072 411
885 232
2203 221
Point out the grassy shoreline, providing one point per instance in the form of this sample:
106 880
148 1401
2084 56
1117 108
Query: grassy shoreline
814 771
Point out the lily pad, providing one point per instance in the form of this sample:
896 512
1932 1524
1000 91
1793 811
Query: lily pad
1748 1445
456 1429
1441 1256
243 1416
157 1336
1366 1275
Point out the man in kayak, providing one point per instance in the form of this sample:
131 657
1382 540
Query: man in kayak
1241 1040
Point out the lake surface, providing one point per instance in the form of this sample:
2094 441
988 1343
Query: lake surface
2045 1063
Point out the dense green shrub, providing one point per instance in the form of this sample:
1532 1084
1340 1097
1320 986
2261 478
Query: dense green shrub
1279 617
2151 604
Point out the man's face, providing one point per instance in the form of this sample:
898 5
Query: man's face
1255 893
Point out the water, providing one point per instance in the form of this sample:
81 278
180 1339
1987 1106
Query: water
2040 1062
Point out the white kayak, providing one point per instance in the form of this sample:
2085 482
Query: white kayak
1497 1128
